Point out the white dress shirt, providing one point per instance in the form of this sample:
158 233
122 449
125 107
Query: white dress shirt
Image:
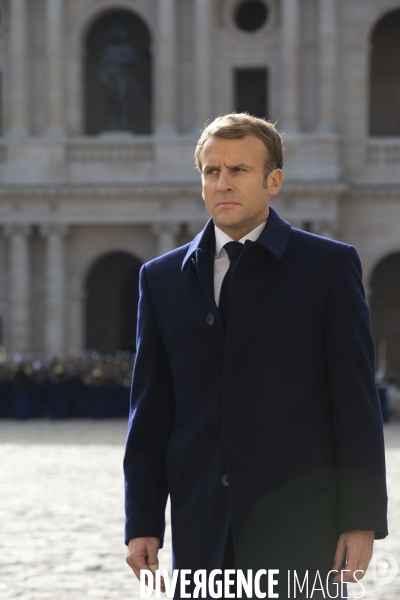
221 260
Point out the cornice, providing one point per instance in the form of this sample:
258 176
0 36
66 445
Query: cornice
373 192
317 188
149 190
163 204
88 192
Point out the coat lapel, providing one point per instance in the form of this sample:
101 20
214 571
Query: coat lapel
201 252
275 235
201 240
203 271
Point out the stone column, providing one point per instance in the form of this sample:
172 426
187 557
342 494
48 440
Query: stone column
202 24
290 50
18 67
166 234
19 286
55 288
165 80
327 65
76 318
54 64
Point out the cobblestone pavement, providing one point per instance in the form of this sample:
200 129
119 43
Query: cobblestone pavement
61 513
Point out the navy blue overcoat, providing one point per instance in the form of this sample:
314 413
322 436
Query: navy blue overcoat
283 406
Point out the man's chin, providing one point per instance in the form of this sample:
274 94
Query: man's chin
227 218
226 224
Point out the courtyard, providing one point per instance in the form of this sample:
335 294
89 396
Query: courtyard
61 513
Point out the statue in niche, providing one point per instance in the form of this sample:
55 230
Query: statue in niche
117 62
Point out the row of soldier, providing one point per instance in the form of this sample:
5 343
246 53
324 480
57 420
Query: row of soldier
81 385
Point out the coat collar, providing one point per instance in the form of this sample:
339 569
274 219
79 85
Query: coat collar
274 237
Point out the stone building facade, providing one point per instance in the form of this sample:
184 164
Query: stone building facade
101 105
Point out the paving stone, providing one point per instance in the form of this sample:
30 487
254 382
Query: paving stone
61 513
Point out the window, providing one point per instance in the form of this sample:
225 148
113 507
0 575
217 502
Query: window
251 15
251 91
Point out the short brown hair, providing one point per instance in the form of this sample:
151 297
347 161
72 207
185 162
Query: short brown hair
237 126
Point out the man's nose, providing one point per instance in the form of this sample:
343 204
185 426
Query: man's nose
225 183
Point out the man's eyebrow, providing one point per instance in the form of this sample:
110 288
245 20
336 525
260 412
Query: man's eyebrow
241 166
238 166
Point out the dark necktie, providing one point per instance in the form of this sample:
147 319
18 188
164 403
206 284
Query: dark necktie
233 249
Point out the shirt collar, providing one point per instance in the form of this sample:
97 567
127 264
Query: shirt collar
222 238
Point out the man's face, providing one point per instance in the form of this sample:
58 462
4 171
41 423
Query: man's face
234 187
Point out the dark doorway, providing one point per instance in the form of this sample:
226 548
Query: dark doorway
385 310
118 75
112 298
385 77
251 92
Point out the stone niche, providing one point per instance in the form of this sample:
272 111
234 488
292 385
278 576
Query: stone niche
118 72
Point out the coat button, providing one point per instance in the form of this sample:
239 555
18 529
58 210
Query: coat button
210 319
224 480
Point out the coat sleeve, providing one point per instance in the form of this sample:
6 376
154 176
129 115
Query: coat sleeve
356 410
150 425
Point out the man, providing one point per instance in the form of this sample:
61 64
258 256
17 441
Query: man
253 398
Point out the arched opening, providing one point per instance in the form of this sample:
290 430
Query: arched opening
118 75
385 77
112 294
385 313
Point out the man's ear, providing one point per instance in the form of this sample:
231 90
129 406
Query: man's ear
274 181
